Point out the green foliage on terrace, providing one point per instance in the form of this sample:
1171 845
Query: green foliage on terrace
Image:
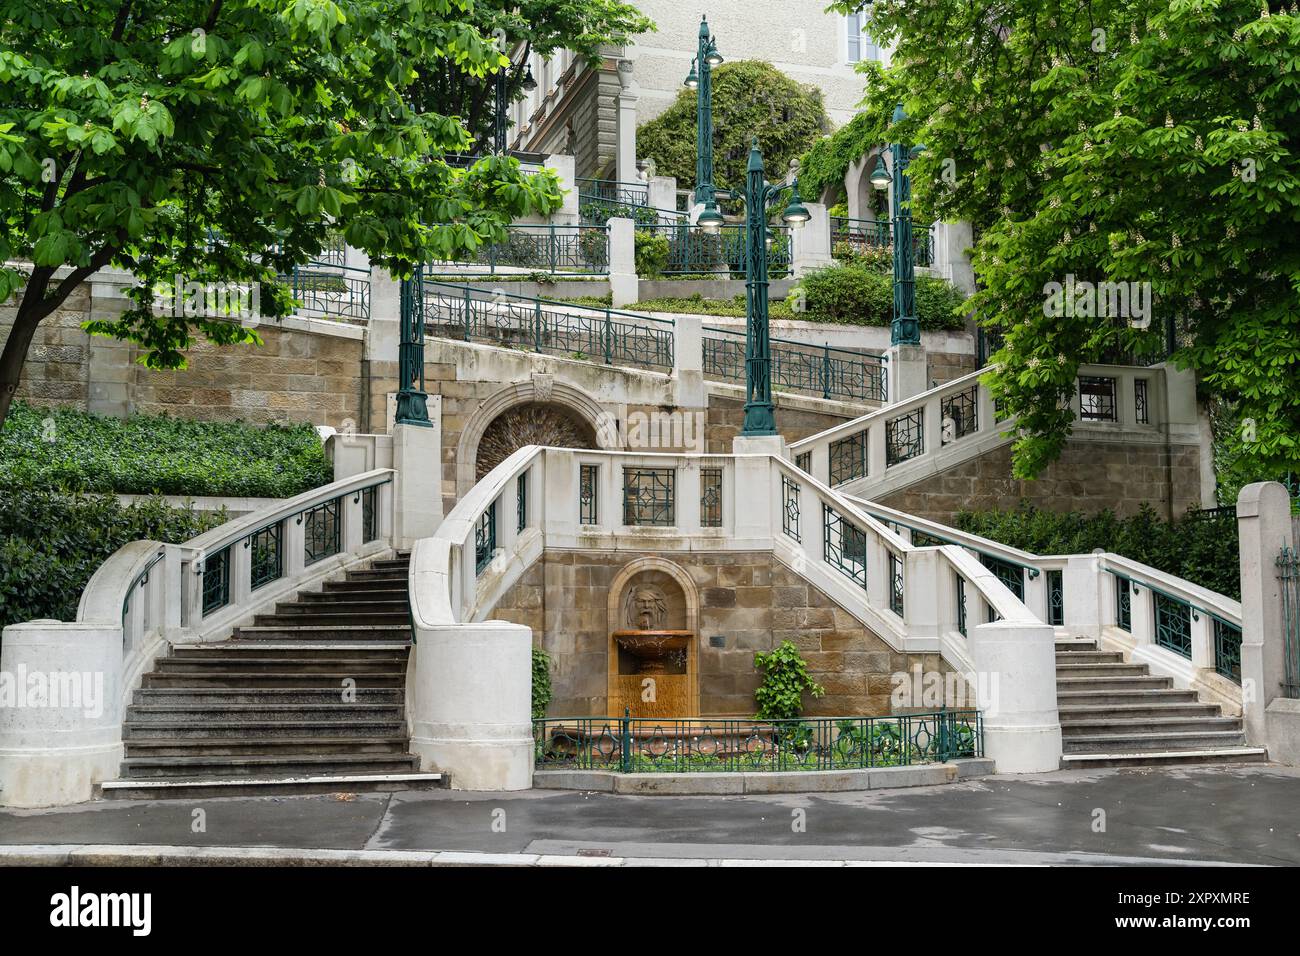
69 450
1201 550
862 295
750 98
824 166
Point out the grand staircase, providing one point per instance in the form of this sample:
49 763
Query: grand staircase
308 699
1115 714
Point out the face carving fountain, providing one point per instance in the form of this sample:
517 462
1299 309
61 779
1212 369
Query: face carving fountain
645 612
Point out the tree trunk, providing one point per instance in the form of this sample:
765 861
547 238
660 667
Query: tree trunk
12 359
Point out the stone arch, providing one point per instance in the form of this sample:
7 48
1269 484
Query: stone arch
689 620
581 409
864 200
681 577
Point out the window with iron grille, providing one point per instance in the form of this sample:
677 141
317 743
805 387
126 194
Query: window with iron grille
369 515
1140 401
1123 605
320 533
265 557
961 605
804 462
588 494
896 584
848 458
1227 649
1009 574
958 413
485 538
216 580
1097 399
649 497
844 546
1173 624
711 497
904 438
790 507
521 504
1056 598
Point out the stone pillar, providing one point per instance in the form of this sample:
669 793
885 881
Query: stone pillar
1015 667
623 283
1263 527
812 243
907 371
627 99
469 694
663 192
417 458
951 240
688 363
379 357
110 371
563 167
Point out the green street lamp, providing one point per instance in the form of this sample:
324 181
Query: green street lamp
412 400
905 329
700 79
760 198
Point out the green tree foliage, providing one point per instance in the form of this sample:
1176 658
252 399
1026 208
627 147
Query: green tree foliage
137 133
824 166
785 679
541 683
583 27
750 98
1126 141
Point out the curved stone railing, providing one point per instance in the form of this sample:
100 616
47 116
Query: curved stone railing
149 595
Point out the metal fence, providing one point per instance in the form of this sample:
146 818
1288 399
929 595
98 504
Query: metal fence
693 251
1288 572
538 325
821 370
331 291
547 247
736 745
864 234
612 191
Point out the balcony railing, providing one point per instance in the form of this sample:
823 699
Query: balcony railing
329 291
692 251
610 191
820 370
863 234
549 248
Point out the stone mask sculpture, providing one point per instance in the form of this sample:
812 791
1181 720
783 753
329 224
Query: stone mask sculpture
647 610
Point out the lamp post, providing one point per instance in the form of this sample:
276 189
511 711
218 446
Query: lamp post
700 79
760 197
499 126
905 329
412 400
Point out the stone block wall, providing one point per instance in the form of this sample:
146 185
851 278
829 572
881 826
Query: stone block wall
748 599
1090 476
58 363
946 366
727 417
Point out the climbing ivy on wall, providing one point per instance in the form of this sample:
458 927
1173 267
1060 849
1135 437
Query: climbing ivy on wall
750 98
824 165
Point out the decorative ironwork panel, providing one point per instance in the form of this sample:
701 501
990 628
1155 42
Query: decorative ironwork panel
521 503
331 291
825 371
711 497
961 605
589 494
804 462
321 533
216 580
369 514
1140 401
265 555
485 538
1288 573
1009 574
790 507
1097 399
1227 649
959 414
922 540
695 252
649 497
904 437
844 546
544 248
861 235
1056 598
610 191
895 584
1123 604
848 458
1173 624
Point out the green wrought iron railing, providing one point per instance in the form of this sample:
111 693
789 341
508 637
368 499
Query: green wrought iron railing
1288 572
798 367
546 247
692 251
862 234
737 745
330 290
612 191
540 325
139 581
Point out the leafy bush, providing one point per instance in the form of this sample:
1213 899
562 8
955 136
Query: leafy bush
602 211
541 683
1201 549
651 254
75 451
857 295
780 695
51 543
875 258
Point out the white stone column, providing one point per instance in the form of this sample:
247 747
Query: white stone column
1015 668
688 362
906 371
563 167
812 243
627 99
1081 581
469 695
1263 527
624 285
663 192
417 457
951 240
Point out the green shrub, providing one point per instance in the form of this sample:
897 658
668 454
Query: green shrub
651 254
857 295
541 683
1201 550
74 451
51 543
875 258
785 678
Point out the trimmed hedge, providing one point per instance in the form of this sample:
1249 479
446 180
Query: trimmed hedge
860 295
1202 550
51 543
145 454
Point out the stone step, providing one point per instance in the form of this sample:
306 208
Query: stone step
1089 657
272 696
1071 712
251 729
391 564
1089 726
1158 758
1067 644
268 651
262 746
1163 695
1140 742
143 768
324 632
1090 669
228 663
356 597
244 679
398 603
339 710
190 788
1067 684
315 617
397 576
365 585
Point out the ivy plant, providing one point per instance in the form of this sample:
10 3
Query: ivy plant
785 680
